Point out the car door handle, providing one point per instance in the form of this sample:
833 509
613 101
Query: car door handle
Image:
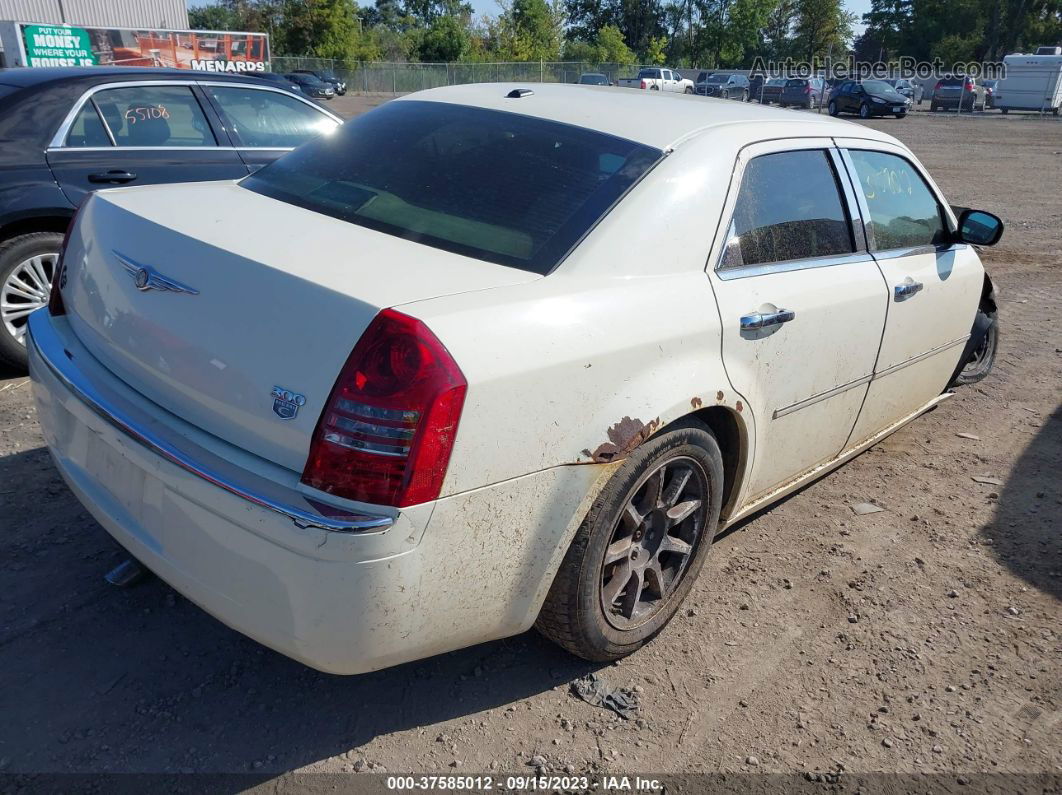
117 177
758 320
906 289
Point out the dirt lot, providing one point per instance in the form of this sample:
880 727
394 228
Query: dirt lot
925 638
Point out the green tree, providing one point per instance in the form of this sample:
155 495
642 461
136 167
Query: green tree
529 30
611 48
446 40
656 51
822 27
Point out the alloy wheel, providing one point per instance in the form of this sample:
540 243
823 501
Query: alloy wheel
653 542
25 290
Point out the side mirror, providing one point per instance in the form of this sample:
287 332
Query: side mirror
979 228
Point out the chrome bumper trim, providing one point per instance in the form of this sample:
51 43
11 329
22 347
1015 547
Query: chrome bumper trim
46 347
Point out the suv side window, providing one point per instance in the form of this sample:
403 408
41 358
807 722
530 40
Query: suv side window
903 210
789 207
162 116
268 119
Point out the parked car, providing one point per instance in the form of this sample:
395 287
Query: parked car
654 79
311 86
950 90
279 80
339 85
869 98
99 127
723 86
366 417
803 92
772 90
593 79
911 89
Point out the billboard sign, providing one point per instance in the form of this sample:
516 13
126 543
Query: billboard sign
200 50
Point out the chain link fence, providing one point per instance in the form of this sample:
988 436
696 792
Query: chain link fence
379 77
399 78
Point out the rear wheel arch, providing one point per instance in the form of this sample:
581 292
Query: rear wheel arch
52 222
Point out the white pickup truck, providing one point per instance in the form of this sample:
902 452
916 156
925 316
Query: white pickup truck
653 79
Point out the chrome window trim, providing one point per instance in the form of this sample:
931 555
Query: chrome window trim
46 347
914 251
761 269
170 148
68 121
851 211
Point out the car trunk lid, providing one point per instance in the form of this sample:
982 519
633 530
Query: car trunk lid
207 298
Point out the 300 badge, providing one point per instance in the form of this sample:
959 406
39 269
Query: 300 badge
286 403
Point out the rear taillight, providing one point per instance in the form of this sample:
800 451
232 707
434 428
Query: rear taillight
807 89
969 85
56 306
387 431
938 86
643 85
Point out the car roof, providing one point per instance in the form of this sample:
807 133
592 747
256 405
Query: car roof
658 119
23 77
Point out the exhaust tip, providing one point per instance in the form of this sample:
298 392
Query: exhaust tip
128 572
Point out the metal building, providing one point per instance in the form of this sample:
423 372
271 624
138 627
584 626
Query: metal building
171 14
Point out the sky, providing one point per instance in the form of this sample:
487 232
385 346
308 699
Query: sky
490 7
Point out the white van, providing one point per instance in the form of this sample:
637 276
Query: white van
1033 82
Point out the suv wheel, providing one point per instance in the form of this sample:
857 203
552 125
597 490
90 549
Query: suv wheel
832 108
26 266
640 548
864 111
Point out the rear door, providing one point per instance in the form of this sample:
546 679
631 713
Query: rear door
801 303
264 123
934 286
140 134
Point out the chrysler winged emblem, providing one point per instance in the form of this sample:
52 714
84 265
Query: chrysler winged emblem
147 278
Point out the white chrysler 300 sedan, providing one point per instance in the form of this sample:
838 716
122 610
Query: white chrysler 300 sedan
490 357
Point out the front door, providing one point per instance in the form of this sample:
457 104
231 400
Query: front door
934 286
140 135
802 306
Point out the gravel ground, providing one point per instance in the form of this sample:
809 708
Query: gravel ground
920 639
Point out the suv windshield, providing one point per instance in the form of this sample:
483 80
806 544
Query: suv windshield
496 186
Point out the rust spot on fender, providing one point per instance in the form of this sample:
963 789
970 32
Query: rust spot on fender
623 437
696 402
738 406
719 395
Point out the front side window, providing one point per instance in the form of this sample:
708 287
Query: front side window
497 186
903 210
788 208
267 119
163 116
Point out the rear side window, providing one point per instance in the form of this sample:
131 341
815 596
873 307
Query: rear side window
903 211
87 129
497 186
163 116
267 119
788 208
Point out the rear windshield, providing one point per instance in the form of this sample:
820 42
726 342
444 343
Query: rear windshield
795 83
649 73
953 81
500 187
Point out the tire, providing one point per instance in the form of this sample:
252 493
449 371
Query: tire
688 90
574 615
832 108
901 115
984 356
1004 111
745 95
933 107
654 88
26 262
864 111
724 95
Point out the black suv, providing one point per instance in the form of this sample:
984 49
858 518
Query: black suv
337 83
723 86
67 131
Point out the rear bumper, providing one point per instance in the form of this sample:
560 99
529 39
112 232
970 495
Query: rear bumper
433 578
